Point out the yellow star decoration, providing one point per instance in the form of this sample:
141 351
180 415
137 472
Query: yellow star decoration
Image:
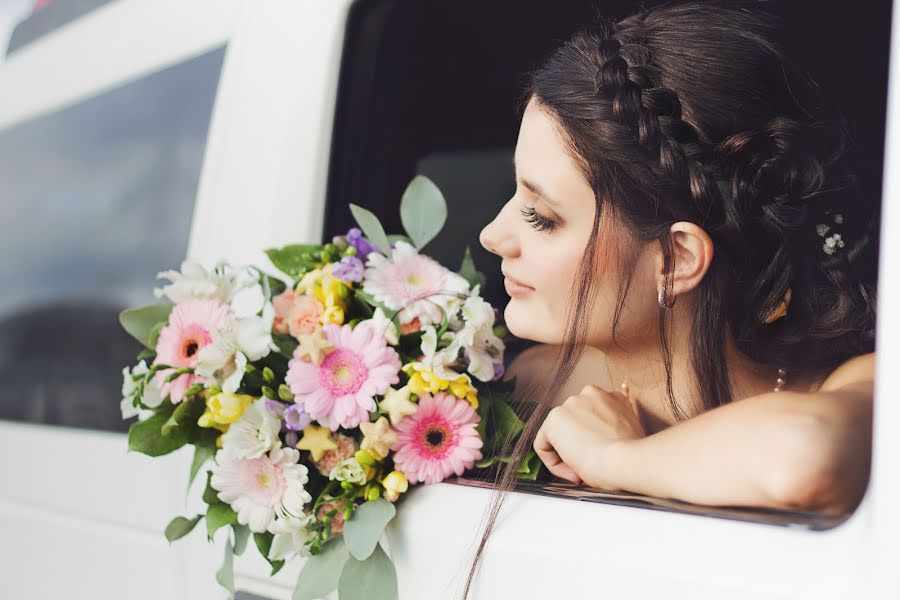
317 440
397 404
378 437
313 347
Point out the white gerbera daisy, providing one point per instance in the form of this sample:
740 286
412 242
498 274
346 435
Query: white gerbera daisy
262 490
254 433
415 284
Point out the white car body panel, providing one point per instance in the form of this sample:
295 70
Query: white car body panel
87 519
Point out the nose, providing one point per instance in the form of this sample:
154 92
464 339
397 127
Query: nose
498 239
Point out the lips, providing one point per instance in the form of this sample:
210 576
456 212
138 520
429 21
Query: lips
515 281
515 288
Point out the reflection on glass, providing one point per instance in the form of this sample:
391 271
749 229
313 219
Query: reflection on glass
97 198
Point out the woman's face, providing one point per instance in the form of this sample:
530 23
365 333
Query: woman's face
541 234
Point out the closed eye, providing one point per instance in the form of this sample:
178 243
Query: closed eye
537 222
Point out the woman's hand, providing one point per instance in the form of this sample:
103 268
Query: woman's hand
578 437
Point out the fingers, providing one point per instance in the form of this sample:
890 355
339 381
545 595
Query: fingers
543 447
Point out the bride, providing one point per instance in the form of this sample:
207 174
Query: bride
688 244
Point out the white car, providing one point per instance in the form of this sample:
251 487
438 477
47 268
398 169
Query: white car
136 132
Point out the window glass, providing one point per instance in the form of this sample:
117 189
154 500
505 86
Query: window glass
97 198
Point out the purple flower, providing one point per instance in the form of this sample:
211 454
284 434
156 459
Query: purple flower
350 269
296 418
356 239
275 407
499 370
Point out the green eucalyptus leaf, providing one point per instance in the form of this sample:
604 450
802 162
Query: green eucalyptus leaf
365 526
218 516
180 527
395 237
468 271
321 573
225 575
372 579
141 322
293 260
146 436
263 543
371 226
423 210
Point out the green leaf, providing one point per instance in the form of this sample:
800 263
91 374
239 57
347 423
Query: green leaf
225 575
241 535
423 210
290 259
146 436
468 271
276 286
263 543
530 466
186 414
180 527
321 573
371 226
365 526
218 516
201 455
286 344
506 424
372 579
394 237
140 322
210 495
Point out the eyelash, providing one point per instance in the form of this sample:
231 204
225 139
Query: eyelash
537 222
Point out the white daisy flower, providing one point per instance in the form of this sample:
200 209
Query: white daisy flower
254 433
262 490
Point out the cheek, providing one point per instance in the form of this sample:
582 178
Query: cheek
541 315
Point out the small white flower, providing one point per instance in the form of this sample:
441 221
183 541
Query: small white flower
290 537
254 433
147 392
483 348
237 286
822 229
349 470
385 326
242 340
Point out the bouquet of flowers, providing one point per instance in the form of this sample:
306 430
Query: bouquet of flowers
314 400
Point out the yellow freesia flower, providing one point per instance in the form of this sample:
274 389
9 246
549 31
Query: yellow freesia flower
422 380
395 483
223 409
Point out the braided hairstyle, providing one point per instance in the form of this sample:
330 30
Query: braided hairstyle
692 112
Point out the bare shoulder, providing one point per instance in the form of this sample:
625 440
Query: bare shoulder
534 365
857 370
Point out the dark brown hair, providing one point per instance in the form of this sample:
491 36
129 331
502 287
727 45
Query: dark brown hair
693 112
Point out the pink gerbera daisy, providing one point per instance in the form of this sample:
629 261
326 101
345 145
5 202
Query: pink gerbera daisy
415 284
192 325
438 439
340 391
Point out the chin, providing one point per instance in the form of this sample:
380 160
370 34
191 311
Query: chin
523 322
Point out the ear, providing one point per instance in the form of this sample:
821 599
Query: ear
692 250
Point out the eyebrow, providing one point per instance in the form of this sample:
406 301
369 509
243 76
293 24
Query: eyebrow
536 189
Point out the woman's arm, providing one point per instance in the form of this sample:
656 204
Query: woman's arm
784 450
789 450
